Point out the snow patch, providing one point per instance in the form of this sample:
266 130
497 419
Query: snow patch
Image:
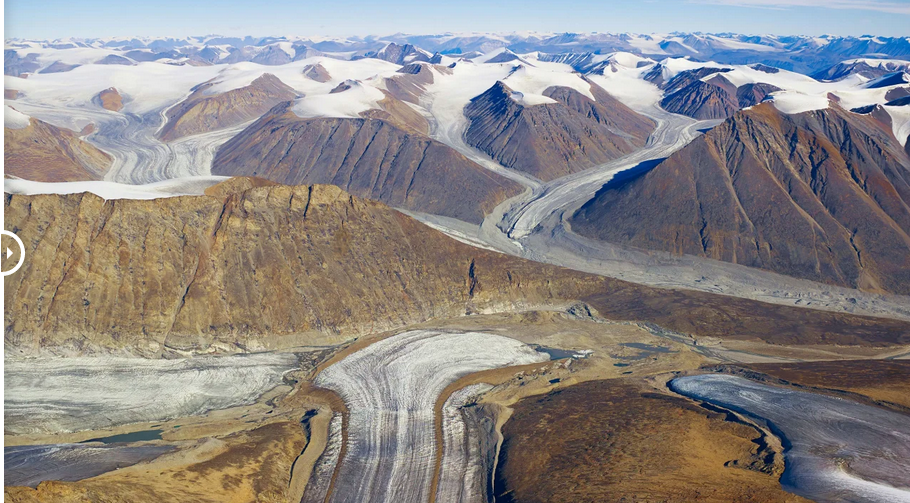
14 119
188 186
900 122
347 104
790 102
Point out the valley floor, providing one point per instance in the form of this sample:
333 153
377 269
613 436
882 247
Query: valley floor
298 441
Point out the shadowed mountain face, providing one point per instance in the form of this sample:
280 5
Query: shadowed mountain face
715 98
252 266
821 195
201 113
870 69
47 153
368 157
554 139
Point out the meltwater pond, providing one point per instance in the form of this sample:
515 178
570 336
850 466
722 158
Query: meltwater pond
836 450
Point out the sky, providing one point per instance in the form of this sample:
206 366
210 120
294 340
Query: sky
50 19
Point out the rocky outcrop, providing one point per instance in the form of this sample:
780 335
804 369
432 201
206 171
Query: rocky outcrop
47 153
822 195
201 112
110 99
412 80
897 93
254 267
367 157
715 98
317 72
400 114
552 140
681 79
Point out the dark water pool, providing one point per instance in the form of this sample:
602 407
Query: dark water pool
136 436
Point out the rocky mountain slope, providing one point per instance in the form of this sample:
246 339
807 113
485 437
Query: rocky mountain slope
253 266
823 195
202 112
548 140
371 158
868 68
47 153
714 98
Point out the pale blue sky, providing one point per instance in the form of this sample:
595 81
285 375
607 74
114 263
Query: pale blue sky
49 19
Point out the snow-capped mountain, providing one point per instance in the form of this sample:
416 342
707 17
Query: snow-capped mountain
796 53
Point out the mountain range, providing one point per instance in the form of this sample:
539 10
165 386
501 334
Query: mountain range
796 53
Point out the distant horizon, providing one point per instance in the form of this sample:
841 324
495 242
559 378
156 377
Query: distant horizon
379 37
57 19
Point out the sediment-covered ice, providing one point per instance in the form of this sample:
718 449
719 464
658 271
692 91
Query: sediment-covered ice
463 473
837 450
28 465
390 389
50 395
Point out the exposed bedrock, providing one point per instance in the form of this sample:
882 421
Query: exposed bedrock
367 157
551 140
252 267
822 195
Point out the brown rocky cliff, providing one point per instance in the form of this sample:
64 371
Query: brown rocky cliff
263 267
256 266
367 157
821 195
552 140
46 153
201 112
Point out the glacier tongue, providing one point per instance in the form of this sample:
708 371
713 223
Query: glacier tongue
390 389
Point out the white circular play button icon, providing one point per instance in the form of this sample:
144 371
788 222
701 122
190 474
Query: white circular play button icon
9 250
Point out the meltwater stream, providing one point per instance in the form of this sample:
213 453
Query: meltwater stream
836 450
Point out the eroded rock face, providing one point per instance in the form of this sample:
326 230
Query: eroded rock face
47 153
821 195
267 267
553 139
254 266
203 112
370 158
